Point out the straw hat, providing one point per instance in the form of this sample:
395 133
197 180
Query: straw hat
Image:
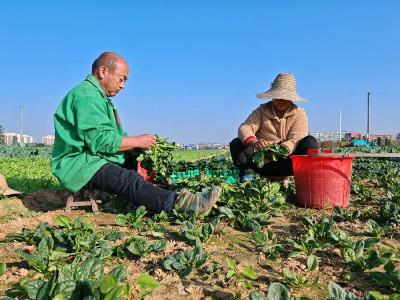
283 87
4 188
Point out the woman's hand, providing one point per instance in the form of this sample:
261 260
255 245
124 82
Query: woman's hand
258 144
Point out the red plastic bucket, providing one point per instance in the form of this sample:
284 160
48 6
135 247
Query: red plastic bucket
322 181
148 176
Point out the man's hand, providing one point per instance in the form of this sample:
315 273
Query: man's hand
258 144
144 141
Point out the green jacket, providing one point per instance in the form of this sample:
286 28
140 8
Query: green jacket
88 135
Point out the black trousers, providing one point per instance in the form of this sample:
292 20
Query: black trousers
281 167
126 182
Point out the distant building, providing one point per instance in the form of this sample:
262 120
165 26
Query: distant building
48 140
209 145
334 136
11 138
384 136
189 146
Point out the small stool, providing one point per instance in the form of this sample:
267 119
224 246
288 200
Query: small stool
79 199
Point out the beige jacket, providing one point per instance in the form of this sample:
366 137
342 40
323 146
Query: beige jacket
263 123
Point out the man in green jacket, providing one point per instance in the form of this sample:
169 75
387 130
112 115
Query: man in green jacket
90 144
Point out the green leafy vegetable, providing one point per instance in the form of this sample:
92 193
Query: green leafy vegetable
272 152
146 284
184 262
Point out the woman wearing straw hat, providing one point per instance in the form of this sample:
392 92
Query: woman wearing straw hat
277 121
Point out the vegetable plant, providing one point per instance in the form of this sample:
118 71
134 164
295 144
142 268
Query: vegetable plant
185 262
159 159
181 216
336 292
40 260
79 281
276 291
359 257
146 284
140 247
267 243
378 231
246 276
195 233
132 219
3 268
297 280
306 245
390 278
319 229
342 215
390 212
272 152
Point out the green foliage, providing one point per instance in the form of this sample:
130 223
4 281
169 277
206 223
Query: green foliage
3 268
195 233
132 219
306 245
312 263
267 243
186 261
140 247
336 292
39 261
272 152
159 159
23 151
71 238
392 186
390 212
197 183
251 204
359 257
146 284
276 291
378 231
390 278
79 281
192 155
319 229
246 276
343 215
28 174
297 280
180 216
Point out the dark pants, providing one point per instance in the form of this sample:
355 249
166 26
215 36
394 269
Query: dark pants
281 167
126 182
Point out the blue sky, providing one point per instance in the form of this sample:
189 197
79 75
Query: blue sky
197 65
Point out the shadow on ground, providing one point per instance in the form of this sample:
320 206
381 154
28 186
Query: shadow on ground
45 201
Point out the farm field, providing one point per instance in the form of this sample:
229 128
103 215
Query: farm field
254 243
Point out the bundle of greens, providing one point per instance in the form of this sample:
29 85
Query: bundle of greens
159 159
272 152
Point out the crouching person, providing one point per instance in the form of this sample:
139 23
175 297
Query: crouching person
90 144
277 121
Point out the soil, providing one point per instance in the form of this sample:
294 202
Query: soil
227 242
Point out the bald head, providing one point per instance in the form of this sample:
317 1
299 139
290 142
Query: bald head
111 70
109 60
